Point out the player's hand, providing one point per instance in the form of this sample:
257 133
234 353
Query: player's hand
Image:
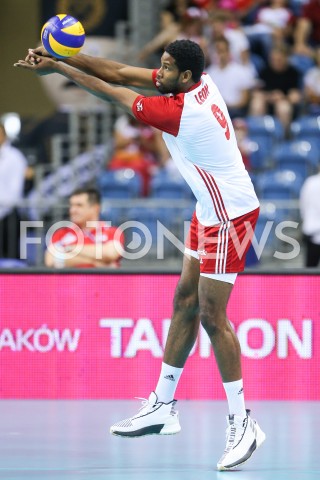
40 65
33 52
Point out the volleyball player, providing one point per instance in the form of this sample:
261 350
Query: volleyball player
199 135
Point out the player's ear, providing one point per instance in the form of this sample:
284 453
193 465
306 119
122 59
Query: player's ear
186 76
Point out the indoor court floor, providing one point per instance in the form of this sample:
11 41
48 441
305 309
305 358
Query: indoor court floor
70 440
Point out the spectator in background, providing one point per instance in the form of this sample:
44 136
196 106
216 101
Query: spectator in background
189 26
273 26
232 79
225 24
311 90
169 29
136 147
279 91
192 28
13 166
310 215
307 31
90 243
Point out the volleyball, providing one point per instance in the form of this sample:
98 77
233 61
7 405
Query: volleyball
62 36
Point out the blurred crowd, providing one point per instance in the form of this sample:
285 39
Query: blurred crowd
263 55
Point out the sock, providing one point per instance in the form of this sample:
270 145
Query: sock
235 397
167 383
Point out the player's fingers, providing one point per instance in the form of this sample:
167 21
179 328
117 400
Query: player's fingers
19 63
32 56
30 59
23 64
40 51
36 58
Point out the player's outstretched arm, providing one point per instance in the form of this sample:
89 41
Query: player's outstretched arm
94 85
107 70
112 72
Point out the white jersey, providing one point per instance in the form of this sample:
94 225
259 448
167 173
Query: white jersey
200 138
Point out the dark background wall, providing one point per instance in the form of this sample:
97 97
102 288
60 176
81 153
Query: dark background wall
20 91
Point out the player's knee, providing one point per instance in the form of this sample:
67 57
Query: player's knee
186 300
213 322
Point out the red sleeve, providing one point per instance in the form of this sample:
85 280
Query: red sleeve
114 233
160 112
58 235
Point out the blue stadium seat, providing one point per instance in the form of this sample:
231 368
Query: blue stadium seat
260 152
306 128
267 126
279 185
300 156
186 213
164 185
301 62
112 214
149 217
268 219
122 184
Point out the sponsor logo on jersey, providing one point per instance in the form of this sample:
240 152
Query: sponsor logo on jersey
139 106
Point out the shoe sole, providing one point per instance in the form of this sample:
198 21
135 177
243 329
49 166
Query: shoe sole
153 430
260 438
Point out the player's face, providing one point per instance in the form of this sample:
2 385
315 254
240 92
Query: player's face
81 211
168 78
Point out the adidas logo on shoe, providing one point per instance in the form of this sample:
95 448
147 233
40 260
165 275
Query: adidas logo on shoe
169 377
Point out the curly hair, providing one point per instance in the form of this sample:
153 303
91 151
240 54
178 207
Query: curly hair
188 56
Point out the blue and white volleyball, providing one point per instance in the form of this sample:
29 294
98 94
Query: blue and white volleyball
62 36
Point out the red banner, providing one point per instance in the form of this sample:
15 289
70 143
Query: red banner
102 336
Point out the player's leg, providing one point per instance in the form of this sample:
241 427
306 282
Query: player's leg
183 330
157 415
222 251
184 324
213 299
244 435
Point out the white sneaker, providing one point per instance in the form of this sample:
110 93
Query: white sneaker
153 418
244 436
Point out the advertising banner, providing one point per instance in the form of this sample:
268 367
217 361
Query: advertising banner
100 336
